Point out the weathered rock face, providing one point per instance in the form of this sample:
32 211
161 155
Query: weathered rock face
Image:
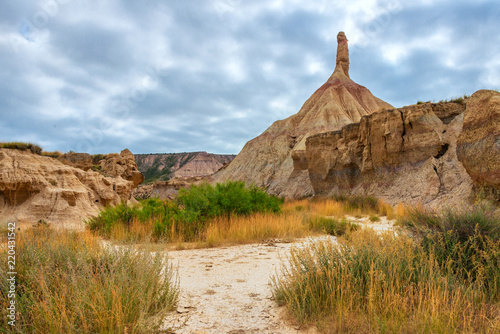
78 160
114 165
34 187
165 189
202 164
402 155
171 165
122 165
276 159
479 142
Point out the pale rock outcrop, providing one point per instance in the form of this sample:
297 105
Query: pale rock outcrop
479 142
402 155
122 165
276 160
34 187
78 160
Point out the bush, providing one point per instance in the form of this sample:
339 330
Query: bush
330 226
22 147
187 217
68 283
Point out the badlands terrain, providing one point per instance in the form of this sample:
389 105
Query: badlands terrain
343 142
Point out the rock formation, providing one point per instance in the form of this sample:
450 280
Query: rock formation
479 142
115 165
276 159
78 160
122 165
170 165
165 189
34 187
401 155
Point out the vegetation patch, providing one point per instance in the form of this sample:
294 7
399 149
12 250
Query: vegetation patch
67 282
446 280
186 218
22 147
330 225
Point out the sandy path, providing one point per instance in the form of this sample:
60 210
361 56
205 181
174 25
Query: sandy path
227 290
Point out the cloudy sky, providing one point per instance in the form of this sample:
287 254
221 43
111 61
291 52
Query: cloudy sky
183 75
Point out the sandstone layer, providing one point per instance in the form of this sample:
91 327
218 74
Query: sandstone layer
161 167
275 160
479 142
404 155
115 165
34 187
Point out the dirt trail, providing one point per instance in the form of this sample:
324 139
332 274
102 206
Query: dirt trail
227 289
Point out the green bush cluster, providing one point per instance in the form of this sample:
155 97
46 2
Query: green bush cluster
332 226
67 282
23 147
188 214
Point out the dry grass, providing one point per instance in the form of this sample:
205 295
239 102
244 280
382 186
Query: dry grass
221 231
339 208
388 283
67 282
255 228
299 218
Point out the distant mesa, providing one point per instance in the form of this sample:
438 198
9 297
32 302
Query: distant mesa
163 167
276 160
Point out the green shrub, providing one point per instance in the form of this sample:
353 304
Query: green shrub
188 215
22 147
332 226
232 197
68 283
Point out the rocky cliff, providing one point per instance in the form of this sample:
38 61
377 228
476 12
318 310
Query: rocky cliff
162 167
34 187
479 142
410 154
276 159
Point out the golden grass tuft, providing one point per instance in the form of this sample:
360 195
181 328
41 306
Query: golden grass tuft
254 228
381 283
68 282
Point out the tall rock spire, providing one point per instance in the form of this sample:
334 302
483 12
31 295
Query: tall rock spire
276 160
342 54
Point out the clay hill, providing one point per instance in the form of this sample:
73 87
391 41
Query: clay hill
162 167
346 141
276 159
430 153
67 188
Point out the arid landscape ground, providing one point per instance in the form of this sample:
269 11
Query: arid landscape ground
228 289
349 216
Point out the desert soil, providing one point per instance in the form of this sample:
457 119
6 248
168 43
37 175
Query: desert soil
228 290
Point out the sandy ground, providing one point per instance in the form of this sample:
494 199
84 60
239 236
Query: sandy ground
227 289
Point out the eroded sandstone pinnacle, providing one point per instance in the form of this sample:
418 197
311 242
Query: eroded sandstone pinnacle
342 54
